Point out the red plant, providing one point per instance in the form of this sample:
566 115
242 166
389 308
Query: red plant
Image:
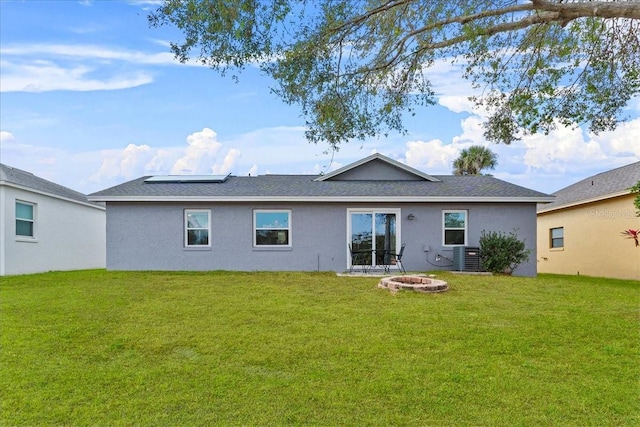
632 234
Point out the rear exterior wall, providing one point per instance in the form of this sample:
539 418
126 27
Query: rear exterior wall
150 236
67 235
593 241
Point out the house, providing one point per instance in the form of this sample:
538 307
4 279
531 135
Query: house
581 231
45 226
308 222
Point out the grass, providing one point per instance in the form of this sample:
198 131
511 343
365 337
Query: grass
223 348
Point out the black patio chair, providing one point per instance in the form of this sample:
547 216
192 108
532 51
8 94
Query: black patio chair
358 258
397 259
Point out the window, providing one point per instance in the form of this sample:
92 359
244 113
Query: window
197 224
25 219
454 228
272 228
556 237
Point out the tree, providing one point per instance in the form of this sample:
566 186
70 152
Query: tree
472 160
356 67
636 201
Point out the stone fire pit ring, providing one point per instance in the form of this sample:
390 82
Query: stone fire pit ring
415 283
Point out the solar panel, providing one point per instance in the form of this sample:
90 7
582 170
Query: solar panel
164 179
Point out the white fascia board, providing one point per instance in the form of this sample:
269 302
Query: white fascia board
583 202
325 199
55 196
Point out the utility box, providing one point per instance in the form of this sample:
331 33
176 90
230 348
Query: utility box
466 258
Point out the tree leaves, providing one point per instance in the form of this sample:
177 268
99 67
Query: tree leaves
356 68
474 159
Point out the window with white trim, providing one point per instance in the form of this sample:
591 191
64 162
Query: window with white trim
454 228
197 228
272 228
556 237
25 219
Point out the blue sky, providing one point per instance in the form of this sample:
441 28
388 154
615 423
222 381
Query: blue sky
91 97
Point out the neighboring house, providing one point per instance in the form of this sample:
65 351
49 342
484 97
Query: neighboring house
45 226
307 222
581 231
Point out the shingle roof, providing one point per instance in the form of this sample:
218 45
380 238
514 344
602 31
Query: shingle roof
304 187
17 177
604 185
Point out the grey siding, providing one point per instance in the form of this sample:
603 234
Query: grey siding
149 236
376 170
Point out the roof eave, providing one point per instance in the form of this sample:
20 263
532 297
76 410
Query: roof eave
547 209
327 199
55 196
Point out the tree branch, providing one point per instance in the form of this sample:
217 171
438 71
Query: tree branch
546 12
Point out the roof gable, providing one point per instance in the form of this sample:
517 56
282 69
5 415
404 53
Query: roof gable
377 167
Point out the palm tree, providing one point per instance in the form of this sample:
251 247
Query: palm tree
474 159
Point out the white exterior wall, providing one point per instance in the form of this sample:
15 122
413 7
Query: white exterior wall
68 235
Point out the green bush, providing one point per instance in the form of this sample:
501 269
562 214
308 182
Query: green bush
501 252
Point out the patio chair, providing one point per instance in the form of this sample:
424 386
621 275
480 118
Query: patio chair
397 259
358 258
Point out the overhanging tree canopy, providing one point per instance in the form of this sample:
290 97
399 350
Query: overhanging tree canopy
356 67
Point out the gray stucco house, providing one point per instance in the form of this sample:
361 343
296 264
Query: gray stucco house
308 222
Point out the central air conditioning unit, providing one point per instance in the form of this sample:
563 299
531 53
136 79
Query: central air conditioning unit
466 258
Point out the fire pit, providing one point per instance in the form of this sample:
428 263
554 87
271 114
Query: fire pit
416 283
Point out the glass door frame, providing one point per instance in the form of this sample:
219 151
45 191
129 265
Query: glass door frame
373 211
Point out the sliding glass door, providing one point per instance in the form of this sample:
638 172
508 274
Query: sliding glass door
373 234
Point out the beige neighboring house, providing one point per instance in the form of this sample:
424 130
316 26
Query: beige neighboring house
581 231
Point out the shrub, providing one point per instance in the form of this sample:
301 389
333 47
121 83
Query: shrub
501 252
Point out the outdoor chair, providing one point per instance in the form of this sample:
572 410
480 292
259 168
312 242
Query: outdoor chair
358 258
397 259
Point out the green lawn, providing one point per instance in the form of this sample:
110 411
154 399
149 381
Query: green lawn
222 348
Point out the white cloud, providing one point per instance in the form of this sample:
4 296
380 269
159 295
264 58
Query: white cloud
456 103
433 157
42 67
228 163
146 2
447 79
200 154
162 161
472 132
87 53
253 171
127 163
625 139
560 147
543 162
6 136
90 171
546 163
41 76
